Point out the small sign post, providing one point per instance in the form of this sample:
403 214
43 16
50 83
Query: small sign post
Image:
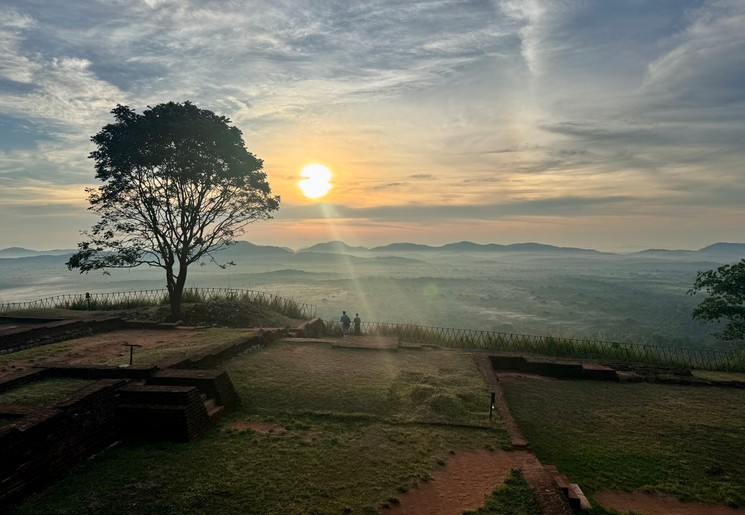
491 405
131 350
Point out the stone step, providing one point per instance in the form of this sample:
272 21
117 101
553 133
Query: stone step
577 500
215 413
584 504
563 483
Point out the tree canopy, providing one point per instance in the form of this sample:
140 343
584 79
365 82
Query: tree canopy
725 288
178 185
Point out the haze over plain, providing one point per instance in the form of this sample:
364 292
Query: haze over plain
614 125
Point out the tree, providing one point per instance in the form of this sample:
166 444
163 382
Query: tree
178 185
726 301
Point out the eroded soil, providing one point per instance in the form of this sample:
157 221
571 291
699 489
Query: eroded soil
463 483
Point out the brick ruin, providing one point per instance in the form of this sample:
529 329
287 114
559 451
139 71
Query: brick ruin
176 401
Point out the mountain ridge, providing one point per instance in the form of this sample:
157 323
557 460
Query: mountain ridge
339 247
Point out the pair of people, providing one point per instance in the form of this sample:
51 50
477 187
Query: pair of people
346 323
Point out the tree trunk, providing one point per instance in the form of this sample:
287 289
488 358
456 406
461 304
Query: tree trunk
176 292
174 298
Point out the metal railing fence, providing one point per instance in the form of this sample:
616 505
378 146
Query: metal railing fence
129 299
653 355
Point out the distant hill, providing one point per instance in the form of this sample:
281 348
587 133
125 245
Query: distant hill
666 253
19 252
469 246
240 248
338 247
461 246
730 248
33 262
403 247
721 251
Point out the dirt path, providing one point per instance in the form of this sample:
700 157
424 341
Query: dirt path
462 484
468 478
547 492
648 504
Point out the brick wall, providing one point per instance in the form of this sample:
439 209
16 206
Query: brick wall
47 443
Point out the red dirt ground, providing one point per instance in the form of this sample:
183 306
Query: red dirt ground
462 484
649 504
106 347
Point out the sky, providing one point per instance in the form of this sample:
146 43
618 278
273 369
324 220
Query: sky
607 124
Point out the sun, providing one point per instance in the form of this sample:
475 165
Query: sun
316 184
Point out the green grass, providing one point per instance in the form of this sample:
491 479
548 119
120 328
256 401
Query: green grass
682 441
349 444
405 386
44 392
39 353
514 497
356 466
133 300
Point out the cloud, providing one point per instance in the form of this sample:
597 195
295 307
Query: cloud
705 64
13 65
571 206
536 103
390 185
536 20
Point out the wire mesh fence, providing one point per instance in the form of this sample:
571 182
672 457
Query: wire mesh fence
133 299
654 355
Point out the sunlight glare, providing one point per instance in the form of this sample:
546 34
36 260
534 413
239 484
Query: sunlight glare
317 183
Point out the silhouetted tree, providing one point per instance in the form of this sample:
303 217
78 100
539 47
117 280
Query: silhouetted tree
726 301
178 185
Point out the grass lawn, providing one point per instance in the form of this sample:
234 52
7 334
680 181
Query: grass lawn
514 497
44 392
355 429
688 442
36 354
404 386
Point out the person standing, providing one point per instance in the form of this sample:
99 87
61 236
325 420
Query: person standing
346 322
357 321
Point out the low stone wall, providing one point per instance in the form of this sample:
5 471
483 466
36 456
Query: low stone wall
215 384
99 371
46 331
175 413
127 402
212 357
561 370
47 443
24 376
